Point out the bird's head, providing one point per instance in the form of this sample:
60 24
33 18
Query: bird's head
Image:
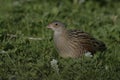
56 26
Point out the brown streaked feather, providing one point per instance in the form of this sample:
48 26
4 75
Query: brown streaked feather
86 41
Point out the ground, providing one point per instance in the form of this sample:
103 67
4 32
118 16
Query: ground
26 45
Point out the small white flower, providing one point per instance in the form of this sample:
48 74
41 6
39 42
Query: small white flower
16 3
54 65
81 1
88 54
106 67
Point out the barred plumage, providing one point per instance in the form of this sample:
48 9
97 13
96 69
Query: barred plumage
74 43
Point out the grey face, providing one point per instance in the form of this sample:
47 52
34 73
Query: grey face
56 26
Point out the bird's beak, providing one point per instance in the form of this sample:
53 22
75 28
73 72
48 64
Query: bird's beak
49 26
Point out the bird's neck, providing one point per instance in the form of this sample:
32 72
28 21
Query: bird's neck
60 33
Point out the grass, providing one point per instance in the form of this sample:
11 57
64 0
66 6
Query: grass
24 59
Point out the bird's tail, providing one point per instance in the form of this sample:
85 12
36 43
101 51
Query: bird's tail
102 47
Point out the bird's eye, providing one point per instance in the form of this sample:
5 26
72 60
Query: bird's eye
56 24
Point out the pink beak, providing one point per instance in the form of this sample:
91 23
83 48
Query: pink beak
49 26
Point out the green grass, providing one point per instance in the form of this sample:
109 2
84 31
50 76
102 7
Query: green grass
26 59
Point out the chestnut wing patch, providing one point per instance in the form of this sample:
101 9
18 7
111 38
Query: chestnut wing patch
87 41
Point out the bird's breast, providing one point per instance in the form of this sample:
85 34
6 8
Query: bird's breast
63 47
60 42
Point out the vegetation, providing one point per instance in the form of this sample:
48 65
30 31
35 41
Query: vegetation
25 57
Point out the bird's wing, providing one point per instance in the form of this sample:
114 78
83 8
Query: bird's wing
86 41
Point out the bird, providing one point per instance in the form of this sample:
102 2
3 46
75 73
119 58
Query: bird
74 43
